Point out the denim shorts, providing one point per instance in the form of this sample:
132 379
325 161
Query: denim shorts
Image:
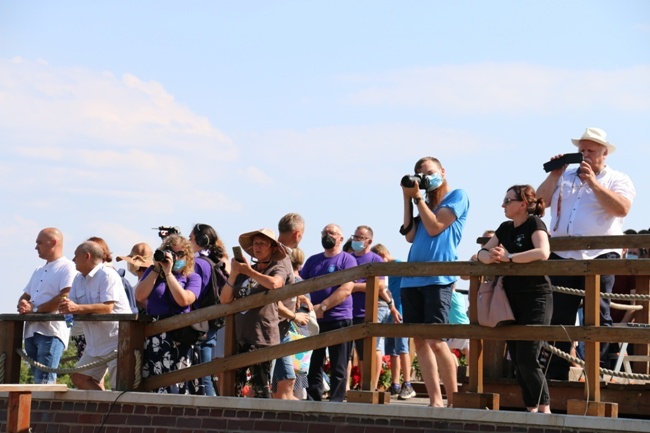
395 346
428 304
283 369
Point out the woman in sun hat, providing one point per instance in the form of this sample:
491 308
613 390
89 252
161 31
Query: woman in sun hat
258 327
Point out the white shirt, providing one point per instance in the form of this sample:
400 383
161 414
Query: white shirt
46 282
581 214
102 284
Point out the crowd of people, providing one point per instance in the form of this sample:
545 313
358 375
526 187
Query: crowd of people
587 199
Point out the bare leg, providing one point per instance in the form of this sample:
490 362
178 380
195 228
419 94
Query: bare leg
447 365
429 369
375 374
405 359
395 369
285 390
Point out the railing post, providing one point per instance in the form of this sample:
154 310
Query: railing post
11 338
230 348
130 341
368 392
642 287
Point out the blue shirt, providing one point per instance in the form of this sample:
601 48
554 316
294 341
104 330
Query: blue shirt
442 247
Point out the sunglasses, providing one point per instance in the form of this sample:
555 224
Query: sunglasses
508 200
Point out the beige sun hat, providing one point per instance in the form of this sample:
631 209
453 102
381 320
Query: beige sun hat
141 256
246 242
596 135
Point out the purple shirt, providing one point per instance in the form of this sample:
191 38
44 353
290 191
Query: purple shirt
359 298
318 265
161 302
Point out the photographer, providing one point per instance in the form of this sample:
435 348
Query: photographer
169 287
434 234
591 199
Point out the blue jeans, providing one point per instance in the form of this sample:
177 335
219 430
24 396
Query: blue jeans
47 351
207 352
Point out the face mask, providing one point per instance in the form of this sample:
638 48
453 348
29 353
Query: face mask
178 265
631 256
328 242
357 245
435 180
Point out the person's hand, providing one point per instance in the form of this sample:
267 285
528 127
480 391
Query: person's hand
24 306
586 173
558 171
301 319
413 191
397 317
319 312
238 267
67 306
498 254
304 300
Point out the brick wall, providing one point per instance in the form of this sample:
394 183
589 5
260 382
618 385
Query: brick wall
85 411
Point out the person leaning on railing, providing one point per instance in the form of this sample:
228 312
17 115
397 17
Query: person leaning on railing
524 239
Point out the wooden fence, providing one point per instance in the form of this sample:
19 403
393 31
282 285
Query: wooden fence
133 330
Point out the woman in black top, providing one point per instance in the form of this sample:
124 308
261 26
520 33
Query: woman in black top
524 239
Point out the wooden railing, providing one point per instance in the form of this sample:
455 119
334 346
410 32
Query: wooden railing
133 330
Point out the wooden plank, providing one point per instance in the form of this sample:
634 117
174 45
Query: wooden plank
592 348
18 414
17 387
369 365
130 341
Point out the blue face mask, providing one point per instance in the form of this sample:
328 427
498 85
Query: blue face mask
631 256
435 180
178 265
357 245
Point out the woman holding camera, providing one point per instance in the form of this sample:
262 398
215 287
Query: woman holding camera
258 327
524 239
169 287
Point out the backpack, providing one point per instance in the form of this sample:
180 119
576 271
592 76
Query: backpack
218 279
130 293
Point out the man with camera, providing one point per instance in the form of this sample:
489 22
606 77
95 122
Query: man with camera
590 199
434 234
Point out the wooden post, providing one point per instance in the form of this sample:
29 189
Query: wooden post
475 398
130 341
368 392
11 338
230 348
18 417
642 287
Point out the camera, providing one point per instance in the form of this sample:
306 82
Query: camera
409 180
159 255
163 231
567 158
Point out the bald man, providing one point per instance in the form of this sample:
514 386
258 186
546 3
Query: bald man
45 342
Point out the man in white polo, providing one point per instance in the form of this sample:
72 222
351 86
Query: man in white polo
590 199
97 289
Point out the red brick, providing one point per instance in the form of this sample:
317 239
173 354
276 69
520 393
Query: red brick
294 427
348 428
214 423
268 426
241 424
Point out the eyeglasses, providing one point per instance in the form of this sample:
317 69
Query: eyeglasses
358 238
180 254
508 200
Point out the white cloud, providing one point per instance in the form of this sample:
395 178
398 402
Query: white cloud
504 88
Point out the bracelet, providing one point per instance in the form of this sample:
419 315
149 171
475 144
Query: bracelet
390 302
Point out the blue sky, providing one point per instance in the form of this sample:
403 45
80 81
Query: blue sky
116 117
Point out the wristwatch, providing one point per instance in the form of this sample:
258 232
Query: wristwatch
417 200
510 257
34 308
323 307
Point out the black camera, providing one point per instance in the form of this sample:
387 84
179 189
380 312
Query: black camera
409 180
567 158
163 231
159 255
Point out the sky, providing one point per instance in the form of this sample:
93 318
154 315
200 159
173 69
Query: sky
118 117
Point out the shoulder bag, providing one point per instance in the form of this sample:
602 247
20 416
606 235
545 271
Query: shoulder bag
493 304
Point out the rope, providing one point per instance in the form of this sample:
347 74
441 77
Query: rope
619 296
604 371
3 357
138 369
47 369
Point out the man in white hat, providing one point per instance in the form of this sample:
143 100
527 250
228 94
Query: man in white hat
591 199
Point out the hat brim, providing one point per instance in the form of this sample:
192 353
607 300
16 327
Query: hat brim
610 147
136 260
246 242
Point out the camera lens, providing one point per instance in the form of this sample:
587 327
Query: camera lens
408 181
159 255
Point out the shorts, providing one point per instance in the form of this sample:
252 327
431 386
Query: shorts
283 369
458 343
395 346
383 315
219 350
428 304
98 372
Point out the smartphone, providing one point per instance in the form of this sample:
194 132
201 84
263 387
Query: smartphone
567 158
237 253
